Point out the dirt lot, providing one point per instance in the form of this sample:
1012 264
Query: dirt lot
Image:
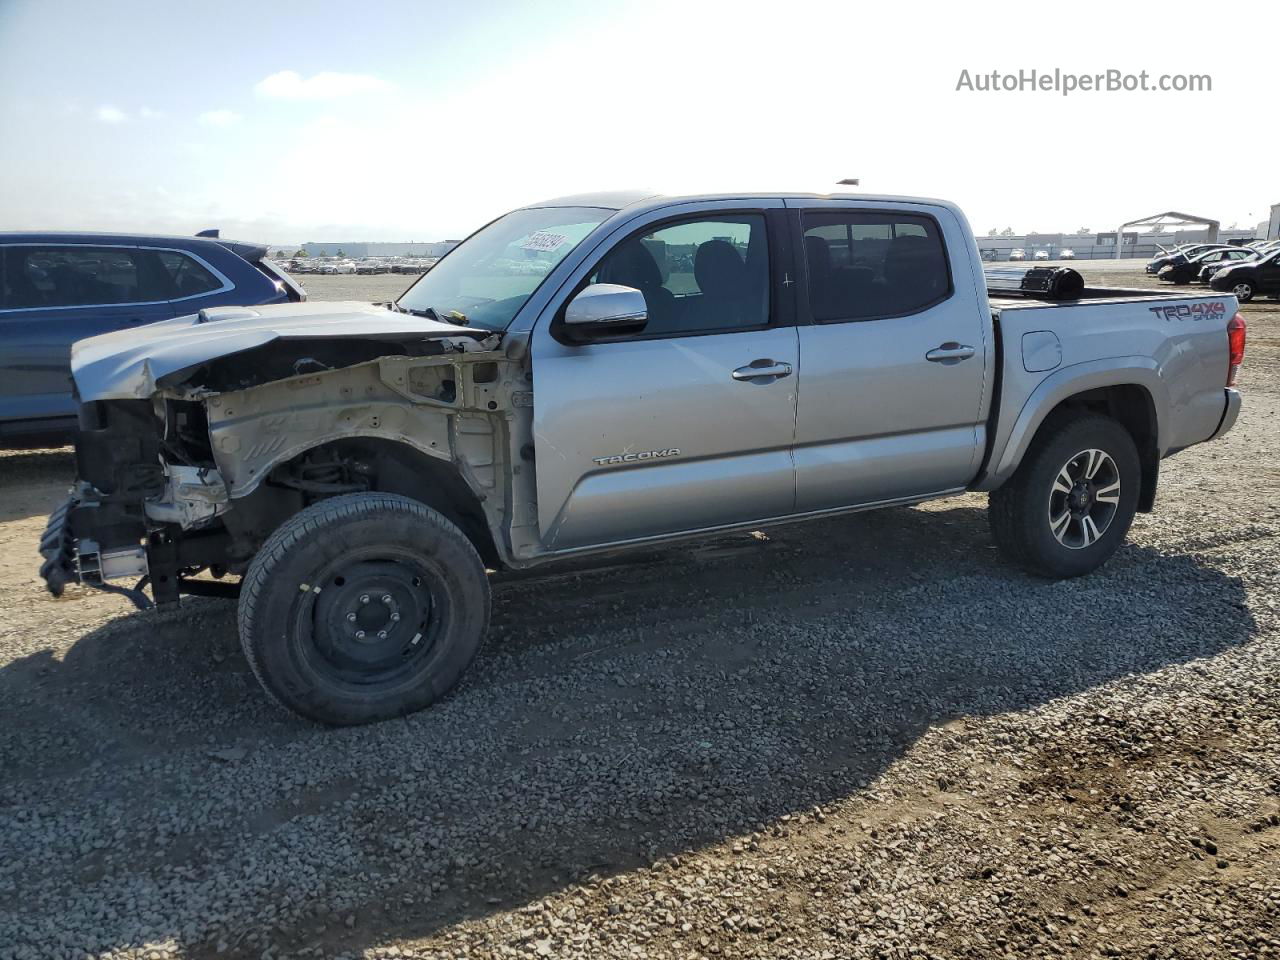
865 737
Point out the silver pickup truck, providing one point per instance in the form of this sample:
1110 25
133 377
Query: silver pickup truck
599 372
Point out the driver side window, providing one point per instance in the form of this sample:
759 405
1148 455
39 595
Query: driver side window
698 276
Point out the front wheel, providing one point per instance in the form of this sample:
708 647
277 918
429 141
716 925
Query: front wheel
1068 507
363 607
1243 291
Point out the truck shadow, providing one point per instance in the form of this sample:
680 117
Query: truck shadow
617 716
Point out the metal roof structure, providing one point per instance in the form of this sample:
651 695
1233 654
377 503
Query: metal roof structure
1170 218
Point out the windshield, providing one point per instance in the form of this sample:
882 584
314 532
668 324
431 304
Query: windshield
486 280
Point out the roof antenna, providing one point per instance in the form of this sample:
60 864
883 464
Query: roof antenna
848 182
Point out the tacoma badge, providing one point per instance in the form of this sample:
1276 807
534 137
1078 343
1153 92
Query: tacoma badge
633 457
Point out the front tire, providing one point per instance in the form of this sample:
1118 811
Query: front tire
1070 503
1243 291
363 607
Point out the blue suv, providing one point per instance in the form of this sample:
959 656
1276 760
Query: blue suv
57 288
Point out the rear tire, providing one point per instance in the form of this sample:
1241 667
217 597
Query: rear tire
1070 503
363 607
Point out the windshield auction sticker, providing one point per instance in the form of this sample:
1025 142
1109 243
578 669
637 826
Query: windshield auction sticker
543 242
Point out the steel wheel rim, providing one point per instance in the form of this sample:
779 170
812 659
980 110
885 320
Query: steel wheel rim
325 636
1084 499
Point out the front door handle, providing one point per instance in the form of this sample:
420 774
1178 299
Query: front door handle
762 370
950 352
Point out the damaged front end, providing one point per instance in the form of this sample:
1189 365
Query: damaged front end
126 498
192 450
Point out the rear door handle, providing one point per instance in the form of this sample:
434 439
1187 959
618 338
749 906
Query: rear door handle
762 370
950 352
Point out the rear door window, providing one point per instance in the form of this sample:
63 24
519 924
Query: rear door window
869 265
71 276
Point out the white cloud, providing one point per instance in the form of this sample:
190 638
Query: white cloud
220 118
146 113
326 85
109 114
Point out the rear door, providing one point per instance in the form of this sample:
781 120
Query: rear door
687 425
894 354
54 295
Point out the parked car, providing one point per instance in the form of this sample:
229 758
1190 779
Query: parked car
1067 254
1188 270
1017 253
1249 278
1209 269
61 287
1042 255
1182 254
360 466
1257 250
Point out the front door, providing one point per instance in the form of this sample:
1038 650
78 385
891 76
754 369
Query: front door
894 356
688 424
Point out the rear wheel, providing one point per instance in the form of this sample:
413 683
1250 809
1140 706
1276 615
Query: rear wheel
1068 507
363 607
1243 290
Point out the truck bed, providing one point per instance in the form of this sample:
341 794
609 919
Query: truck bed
1173 346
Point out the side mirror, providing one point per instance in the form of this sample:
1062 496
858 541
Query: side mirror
603 310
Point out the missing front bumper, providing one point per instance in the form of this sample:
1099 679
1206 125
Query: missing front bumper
72 556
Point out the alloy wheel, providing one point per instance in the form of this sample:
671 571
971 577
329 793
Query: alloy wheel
1084 499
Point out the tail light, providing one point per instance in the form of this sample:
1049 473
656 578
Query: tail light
1235 347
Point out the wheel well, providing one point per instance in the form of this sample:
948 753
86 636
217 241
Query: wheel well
1132 406
399 468
366 463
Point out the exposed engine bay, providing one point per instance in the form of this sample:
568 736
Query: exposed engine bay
192 479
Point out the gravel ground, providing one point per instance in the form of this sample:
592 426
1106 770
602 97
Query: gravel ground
865 737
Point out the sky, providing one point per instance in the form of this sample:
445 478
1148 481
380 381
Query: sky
398 120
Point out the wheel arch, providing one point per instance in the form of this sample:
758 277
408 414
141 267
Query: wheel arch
1129 390
398 467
